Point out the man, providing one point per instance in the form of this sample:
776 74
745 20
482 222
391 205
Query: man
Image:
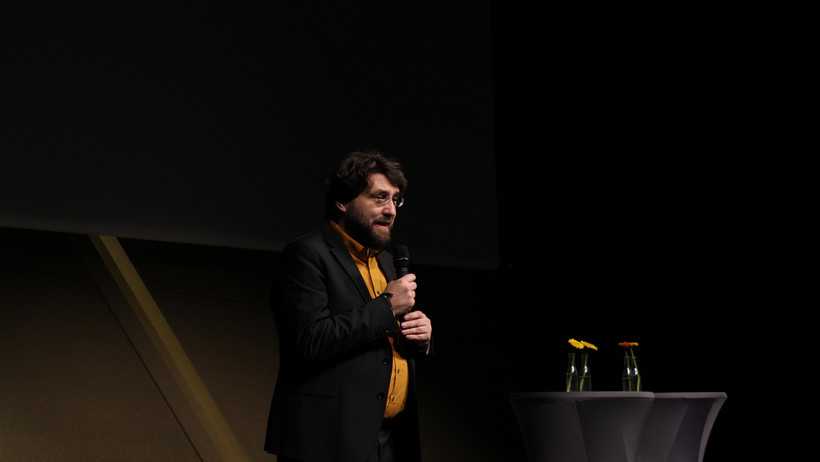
345 390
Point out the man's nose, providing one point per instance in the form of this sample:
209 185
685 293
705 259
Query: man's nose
389 209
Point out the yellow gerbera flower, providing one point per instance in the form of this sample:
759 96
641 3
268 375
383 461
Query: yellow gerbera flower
589 345
576 343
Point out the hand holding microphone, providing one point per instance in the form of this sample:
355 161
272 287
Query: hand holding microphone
415 326
403 294
403 288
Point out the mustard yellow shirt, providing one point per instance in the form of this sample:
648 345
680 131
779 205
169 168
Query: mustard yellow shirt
376 282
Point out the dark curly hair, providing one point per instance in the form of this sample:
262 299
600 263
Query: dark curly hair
352 177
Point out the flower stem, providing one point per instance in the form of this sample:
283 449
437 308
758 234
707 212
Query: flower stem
583 373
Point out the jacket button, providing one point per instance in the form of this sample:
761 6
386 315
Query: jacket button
380 395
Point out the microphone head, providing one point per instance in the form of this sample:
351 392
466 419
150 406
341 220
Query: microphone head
401 252
401 259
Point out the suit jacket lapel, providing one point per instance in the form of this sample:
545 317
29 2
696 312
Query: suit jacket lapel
338 249
386 264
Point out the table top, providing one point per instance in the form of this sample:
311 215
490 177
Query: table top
693 394
546 395
524 396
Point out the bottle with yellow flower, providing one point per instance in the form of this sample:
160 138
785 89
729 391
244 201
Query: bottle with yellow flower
579 379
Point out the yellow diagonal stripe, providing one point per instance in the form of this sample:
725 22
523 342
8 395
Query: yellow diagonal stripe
169 348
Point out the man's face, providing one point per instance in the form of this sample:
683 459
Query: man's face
365 220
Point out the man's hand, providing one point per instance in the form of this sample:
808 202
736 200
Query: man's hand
403 292
417 327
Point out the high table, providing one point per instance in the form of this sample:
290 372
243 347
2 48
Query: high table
616 426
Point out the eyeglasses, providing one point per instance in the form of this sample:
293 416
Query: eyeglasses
384 198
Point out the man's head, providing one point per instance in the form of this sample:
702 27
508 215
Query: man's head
362 196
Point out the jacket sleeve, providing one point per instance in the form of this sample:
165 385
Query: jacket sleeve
319 312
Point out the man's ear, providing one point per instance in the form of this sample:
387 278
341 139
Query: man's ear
342 207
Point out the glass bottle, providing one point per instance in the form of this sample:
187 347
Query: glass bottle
631 378
572 374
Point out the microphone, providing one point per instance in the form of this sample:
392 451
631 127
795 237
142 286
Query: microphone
401 260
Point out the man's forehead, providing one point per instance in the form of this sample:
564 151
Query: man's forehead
379 182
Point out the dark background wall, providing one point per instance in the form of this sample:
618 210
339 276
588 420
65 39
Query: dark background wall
555 151
216 125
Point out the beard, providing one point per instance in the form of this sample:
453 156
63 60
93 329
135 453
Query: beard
360 228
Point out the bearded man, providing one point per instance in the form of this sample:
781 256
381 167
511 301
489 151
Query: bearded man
347 329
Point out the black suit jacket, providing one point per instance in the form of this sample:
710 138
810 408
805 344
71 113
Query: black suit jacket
336 358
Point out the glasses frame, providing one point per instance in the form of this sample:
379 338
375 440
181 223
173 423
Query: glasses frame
383 198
